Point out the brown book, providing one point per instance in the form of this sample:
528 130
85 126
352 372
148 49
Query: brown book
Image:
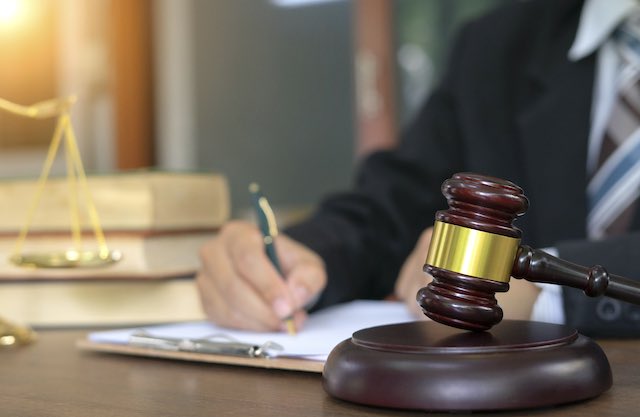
132 201
152 283
100 303
156 221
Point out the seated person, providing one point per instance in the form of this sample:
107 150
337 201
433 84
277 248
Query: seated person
526 97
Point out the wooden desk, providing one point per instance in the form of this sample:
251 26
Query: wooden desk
53 378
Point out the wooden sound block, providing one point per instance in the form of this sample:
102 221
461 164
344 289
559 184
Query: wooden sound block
425 365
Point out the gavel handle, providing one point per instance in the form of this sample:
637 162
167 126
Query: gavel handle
537 266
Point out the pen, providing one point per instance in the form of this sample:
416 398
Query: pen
269 229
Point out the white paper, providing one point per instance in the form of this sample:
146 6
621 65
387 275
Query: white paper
322 331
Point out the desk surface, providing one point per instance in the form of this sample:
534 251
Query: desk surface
53 378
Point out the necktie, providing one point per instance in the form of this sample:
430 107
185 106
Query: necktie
613 190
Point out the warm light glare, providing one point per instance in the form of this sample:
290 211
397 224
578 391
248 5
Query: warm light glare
10 11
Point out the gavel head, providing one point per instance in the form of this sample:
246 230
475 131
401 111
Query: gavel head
472 251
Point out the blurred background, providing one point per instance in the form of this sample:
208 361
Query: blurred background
289 93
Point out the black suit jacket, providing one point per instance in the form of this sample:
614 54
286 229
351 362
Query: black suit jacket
510 105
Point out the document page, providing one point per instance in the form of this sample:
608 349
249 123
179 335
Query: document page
321 332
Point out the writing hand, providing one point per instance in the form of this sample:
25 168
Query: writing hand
239 286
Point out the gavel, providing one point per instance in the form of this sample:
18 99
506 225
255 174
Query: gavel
475 249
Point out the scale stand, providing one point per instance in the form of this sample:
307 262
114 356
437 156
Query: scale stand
77 257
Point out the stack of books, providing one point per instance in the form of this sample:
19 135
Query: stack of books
157 221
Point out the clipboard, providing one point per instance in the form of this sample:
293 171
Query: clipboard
283 363
306 351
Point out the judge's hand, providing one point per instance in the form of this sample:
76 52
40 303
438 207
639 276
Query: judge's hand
239 286
517 304
412 277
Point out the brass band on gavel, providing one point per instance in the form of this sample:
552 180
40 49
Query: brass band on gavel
472 252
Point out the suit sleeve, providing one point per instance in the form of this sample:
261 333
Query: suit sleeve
365 235
603 316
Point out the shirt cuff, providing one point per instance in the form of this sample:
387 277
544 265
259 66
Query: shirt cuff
548 307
